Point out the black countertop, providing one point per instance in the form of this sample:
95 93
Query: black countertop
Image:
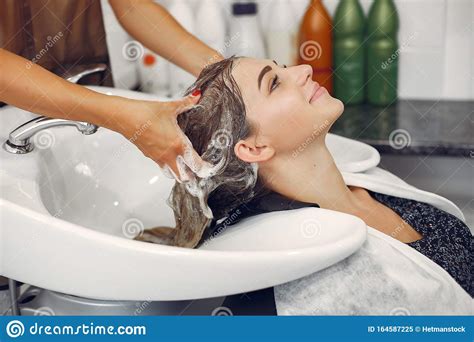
412 127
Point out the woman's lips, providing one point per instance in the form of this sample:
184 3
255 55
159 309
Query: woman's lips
317 92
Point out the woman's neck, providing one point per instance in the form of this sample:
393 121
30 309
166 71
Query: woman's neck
312 177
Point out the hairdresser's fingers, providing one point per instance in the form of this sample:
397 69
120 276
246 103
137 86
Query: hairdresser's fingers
196 164
173 163
177 170
169 163
187 165
184 174
186 103
168 172
175 167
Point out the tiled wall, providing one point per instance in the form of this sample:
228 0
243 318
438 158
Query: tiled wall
436 44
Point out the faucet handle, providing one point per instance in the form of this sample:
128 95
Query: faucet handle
80 71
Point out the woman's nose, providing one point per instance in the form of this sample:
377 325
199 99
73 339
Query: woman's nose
303 73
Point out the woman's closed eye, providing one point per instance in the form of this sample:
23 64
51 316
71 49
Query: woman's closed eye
275 82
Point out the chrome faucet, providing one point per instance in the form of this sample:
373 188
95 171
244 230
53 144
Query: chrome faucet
19 139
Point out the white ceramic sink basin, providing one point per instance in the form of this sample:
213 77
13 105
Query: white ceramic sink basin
69 209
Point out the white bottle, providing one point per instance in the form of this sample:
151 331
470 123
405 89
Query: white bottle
299 9
264 10
180 79
281 33
245 38
153 73
210 25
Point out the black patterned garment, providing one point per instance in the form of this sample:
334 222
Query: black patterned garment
446 239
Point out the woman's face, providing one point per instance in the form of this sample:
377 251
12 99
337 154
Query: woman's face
284 104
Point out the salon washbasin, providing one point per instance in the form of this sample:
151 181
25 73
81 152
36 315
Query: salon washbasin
70 208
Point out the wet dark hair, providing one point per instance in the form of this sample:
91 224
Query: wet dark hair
213 127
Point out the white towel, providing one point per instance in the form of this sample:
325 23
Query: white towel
385 276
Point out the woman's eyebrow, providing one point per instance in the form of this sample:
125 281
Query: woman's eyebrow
263 72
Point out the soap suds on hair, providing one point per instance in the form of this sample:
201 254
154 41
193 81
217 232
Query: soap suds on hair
224 182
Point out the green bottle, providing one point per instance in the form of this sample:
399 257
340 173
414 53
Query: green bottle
349 54
382 53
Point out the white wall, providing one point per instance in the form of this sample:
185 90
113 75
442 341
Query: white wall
459 50
436 44
123 71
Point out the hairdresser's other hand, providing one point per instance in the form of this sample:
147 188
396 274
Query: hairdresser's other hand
152 126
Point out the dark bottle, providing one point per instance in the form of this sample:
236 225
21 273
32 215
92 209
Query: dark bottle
315 43
349 52
382 53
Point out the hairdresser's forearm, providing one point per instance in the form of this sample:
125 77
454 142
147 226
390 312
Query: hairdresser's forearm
28 86
155 28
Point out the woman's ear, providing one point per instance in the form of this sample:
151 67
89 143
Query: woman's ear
249 152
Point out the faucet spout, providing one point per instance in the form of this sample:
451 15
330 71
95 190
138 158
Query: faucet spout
19 139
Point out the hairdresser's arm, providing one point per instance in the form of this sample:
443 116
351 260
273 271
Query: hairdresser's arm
152 25
150 125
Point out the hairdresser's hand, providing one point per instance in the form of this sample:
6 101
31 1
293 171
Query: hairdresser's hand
153 128
150 125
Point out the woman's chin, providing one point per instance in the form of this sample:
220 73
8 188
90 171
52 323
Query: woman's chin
333 107
340 107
